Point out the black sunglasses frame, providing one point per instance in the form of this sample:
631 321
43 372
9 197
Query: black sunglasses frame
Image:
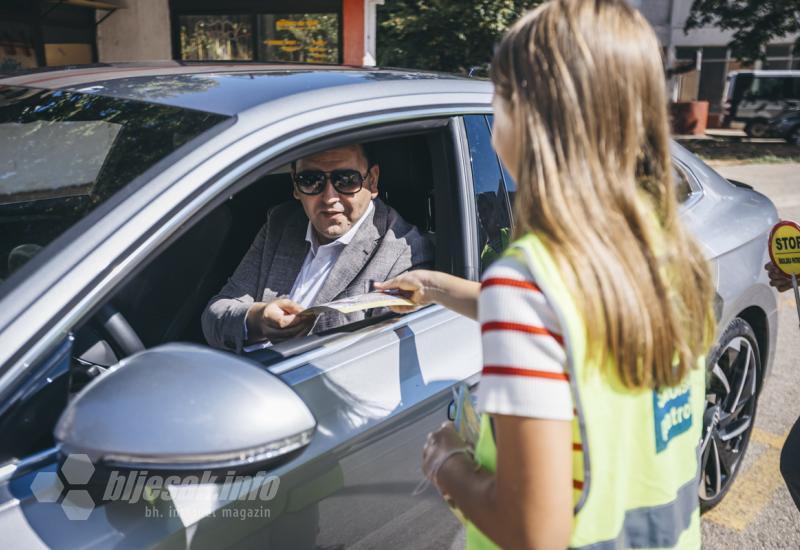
335 182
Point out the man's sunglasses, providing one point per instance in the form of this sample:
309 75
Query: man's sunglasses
312 182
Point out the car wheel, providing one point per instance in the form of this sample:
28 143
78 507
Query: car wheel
794 136
757 129
731 399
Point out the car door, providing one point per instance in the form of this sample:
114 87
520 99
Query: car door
377 398
375 392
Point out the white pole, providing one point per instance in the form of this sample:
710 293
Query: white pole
796 295
370 30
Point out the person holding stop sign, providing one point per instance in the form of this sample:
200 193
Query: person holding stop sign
784 252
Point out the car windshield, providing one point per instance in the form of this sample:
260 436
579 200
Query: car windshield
62 154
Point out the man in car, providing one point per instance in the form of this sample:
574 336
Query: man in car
346 238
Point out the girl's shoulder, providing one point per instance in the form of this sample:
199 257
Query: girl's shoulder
508 266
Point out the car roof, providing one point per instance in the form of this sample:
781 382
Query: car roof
228 88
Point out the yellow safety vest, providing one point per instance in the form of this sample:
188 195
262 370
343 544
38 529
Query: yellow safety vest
635 459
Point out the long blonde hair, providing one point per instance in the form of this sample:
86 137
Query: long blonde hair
584 84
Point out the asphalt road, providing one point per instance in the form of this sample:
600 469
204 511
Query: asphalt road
758 513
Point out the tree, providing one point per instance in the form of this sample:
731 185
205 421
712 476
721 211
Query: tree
444 35
755 22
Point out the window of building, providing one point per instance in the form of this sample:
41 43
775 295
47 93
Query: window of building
715 53
299 38
779 57
779 50
685 53
251 32
17 46
216 37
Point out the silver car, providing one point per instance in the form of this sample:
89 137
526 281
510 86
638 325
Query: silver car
129 193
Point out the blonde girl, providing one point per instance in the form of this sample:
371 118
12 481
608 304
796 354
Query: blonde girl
595 321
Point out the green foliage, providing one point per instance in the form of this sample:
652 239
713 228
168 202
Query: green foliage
444 35
754 22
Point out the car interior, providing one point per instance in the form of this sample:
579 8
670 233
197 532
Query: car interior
160 304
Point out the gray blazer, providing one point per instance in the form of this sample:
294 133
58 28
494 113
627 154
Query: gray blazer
384 246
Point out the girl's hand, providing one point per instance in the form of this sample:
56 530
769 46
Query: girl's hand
416 283
441 443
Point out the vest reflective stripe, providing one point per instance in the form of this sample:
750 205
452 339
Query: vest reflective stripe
655 526
649 502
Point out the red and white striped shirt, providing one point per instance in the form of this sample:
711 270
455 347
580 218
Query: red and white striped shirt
524 361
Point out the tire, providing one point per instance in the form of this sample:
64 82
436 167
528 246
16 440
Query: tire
757 128
733 384
793 138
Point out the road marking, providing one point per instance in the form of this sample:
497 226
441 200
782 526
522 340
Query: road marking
754 488
768 438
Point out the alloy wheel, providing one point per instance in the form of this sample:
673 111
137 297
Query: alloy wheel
730 412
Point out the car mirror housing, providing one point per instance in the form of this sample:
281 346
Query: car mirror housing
183 407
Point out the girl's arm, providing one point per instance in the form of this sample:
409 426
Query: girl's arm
427 287
528 502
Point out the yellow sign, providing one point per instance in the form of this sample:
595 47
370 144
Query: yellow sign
784 247
289 24
281 42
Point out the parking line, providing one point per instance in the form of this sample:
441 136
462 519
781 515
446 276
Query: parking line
754 488
768 438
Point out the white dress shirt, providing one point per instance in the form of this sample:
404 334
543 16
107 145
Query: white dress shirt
320 261
316 267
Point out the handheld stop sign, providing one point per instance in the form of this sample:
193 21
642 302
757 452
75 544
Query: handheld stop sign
784 251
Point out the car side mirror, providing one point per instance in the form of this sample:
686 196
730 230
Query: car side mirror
183 407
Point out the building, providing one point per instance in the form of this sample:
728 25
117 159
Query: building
705 52
35 33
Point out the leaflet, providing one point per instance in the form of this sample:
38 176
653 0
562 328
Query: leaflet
361 302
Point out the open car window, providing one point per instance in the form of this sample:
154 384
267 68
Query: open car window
165 299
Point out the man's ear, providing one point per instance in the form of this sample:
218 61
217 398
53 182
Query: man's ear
375 171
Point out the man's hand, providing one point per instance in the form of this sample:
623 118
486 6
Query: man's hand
778 278
276 320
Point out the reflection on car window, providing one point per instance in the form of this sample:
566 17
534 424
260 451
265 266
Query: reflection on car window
494 225
511 185
62 154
